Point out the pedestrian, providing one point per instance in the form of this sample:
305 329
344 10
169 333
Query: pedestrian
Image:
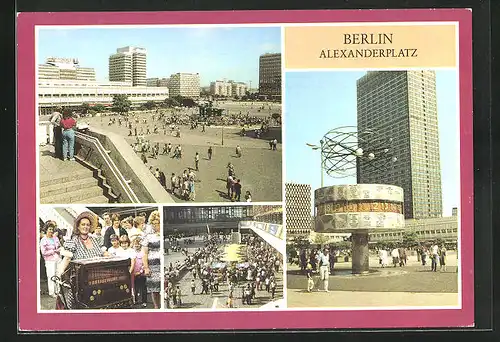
238 151
193 286
324 267
229 187
237 190
178 295
196 160
395 257
442 259
434 257
210 151
248 196
68 125
310 281
55 120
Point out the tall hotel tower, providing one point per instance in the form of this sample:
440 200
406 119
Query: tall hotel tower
128 64
270 74
402 105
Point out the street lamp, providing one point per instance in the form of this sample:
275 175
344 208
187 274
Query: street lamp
320 148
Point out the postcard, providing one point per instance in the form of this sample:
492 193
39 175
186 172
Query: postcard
272 170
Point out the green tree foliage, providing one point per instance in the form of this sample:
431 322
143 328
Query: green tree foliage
121 103
99 108
320 239
84 108
149 105
410 239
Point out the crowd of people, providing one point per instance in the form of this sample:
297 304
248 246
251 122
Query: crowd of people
253 274
130 237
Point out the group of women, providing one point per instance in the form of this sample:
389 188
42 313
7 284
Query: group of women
88 241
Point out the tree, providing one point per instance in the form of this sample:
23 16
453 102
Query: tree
410 239
84 108
99 108
171 102
121 103
320 239
150 105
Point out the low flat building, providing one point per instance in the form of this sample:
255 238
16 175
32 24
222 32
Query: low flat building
73 93
445 228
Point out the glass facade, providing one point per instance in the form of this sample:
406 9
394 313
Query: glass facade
176 215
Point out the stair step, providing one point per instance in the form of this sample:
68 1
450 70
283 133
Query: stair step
74 196
66 177
61 188
94 200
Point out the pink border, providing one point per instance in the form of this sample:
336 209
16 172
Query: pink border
30 320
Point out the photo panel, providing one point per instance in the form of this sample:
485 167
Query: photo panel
375 222
224 257
125 118
99 257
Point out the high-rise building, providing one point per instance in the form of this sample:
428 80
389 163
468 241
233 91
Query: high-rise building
128 64
185 85
402 106
299 221
270 74
56 68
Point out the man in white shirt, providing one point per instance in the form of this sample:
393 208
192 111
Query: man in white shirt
395 256
324 268
434 257
107 223
55 120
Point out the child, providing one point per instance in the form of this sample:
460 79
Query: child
310 281
138 273
115 245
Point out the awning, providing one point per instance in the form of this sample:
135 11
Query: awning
275 242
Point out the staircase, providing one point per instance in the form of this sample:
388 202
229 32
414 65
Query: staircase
72 186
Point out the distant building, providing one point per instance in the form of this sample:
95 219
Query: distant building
445 228
454 211
228 88
73 93
185 85
270 75
56 68
157 82
128 64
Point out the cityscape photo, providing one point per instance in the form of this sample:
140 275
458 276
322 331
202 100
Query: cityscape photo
159 115
375 223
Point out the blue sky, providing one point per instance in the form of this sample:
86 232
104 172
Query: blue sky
316 102
214 52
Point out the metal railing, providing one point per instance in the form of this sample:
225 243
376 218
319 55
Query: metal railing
125 188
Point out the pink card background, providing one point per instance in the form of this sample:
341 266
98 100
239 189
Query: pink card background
29 319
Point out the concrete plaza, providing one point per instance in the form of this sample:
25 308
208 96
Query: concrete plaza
410 285
216 300
259 168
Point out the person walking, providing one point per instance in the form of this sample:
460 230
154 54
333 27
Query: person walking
442 259
196 160
324 267
237 190
395 257
310 280
68 136
210 151
238 151
434 257
55 120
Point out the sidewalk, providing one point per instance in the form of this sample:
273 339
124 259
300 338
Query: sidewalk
344 299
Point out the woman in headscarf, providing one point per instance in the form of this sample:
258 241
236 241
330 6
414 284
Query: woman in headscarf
151 258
